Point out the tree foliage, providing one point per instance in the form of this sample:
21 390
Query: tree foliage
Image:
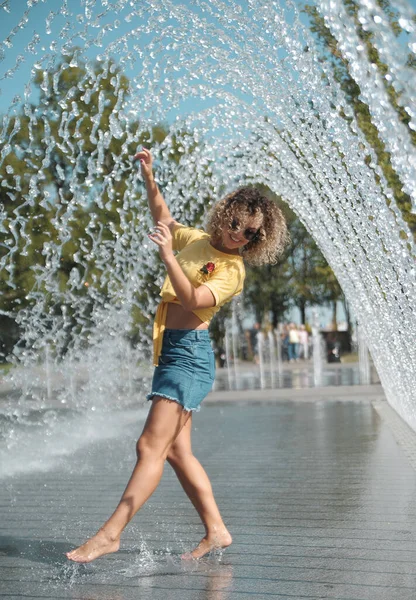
331 54
68 213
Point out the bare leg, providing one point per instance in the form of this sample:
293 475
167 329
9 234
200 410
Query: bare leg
163 424
197 486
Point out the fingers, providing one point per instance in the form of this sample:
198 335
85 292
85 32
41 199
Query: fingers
146 162
143 154
156 237
157 233
162 230
161 234
162 242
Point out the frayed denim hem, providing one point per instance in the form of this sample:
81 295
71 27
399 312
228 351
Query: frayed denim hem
153 394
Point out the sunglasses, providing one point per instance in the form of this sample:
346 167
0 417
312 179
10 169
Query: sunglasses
250 233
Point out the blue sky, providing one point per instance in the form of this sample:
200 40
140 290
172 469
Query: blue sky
36 25
11 88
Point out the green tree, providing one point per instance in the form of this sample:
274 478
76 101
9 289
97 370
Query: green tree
74 144
303 259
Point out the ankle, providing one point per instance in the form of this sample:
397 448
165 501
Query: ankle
110 535
216 531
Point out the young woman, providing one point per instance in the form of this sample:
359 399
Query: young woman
207 272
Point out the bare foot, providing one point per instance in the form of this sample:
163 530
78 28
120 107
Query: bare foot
215 541
98 545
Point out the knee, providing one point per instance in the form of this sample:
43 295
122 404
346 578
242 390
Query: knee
147 448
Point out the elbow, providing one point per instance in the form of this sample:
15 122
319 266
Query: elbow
196 303
199 298
190 304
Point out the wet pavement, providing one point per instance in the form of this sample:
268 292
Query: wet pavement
316 487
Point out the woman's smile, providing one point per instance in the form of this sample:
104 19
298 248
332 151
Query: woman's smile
234 239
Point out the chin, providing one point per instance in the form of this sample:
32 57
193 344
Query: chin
232 245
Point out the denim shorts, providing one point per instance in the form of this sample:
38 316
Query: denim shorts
186 369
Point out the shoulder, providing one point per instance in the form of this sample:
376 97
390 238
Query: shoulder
183 235
235 264
190 232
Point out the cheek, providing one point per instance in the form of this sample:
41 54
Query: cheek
227 238
225 235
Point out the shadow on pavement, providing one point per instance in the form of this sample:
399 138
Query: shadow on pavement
45 551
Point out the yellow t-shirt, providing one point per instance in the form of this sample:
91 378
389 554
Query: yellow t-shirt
225 277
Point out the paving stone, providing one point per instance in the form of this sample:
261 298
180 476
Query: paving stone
319 496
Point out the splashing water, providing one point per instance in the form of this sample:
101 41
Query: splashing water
259 106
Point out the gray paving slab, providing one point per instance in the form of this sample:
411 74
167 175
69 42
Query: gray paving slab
318 492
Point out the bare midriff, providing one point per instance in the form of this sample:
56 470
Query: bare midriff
179 318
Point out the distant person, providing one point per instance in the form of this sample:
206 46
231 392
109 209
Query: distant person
284 340
254 340
303 343
205 274
293 342
333 349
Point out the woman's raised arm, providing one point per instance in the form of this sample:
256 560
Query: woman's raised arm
157 204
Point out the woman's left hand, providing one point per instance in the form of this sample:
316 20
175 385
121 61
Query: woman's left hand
163 238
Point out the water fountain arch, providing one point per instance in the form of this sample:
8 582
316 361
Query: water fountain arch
248 101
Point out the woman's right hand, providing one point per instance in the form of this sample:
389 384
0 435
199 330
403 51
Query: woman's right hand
146 162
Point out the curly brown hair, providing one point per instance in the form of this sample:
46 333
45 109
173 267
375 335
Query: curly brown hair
273 235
